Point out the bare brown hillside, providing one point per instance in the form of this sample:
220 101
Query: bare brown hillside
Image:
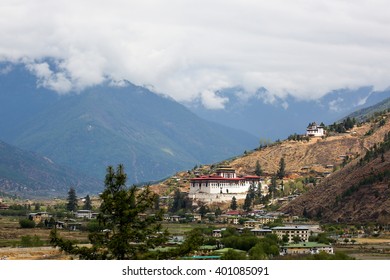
315 155
353 194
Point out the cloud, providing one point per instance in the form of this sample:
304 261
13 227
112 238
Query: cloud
191 49
335 105
56 81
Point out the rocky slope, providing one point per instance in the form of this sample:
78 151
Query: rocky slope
317 155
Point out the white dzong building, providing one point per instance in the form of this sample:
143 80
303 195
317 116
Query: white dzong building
222 186
314 130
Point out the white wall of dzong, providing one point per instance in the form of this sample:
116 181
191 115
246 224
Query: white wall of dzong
218 187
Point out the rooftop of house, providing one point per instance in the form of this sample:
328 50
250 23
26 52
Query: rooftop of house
314 125
306 245
291 228
220 178
233 212
261 230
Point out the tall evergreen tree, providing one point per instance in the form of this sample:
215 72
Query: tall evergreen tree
282 169
218 212
87 203
72 200
129 235
247 203
258 194
203 210
258 170
180 201
273 186
252 191
233 204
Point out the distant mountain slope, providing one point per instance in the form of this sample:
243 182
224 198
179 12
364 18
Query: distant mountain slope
29 175
366 113
276 118
359 192
151 135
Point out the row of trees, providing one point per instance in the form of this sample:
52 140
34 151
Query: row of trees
343 126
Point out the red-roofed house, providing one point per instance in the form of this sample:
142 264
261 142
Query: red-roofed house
225 181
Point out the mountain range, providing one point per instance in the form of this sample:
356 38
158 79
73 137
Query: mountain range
273 118
152 135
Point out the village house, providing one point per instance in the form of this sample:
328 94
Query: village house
196 217
228 219
39 217
292 231
314 130
86 214
174 218
217 233
306 248
222 186
253 224
265 219
3 206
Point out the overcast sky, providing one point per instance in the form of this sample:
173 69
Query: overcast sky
189 49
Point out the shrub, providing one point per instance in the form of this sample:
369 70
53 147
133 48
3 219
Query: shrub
26 223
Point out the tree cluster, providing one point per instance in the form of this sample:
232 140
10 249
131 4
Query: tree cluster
256 248
343 126
298 137
377 150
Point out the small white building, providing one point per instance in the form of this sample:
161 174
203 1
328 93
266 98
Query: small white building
314 130
86 214
306 248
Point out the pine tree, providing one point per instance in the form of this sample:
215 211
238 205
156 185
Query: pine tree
252 191
247 203
282 169
218 212
273 187
87 203
72 200
178 201
128 234
258 170
233 204
258 194
203 210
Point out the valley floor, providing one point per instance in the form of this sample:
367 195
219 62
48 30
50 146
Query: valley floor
363 249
